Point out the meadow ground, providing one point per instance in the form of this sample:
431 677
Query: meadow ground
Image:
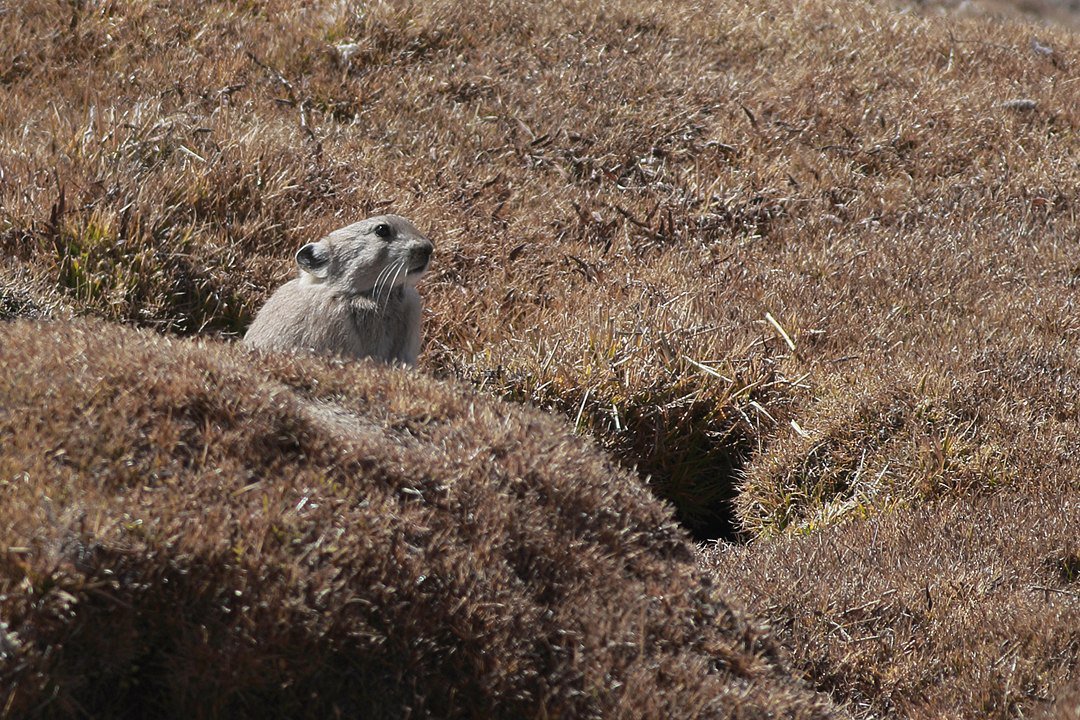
807 269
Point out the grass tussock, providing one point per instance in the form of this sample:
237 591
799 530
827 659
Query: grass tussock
874 446
192 531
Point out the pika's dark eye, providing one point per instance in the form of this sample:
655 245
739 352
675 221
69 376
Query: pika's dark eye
383 230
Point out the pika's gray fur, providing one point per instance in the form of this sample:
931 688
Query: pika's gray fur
355 296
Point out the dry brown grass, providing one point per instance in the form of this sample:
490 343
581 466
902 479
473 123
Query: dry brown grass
192 531
961 610
620 194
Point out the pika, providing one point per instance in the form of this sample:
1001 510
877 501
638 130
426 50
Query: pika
355 296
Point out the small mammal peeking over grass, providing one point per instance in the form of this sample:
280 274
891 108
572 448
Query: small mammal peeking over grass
355 296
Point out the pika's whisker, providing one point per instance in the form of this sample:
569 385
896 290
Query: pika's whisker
376 290
399 266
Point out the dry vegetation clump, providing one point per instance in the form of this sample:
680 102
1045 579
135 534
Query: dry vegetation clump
962 609
912 437
188 530
21 297
1005 417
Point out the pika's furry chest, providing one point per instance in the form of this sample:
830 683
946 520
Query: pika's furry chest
383 326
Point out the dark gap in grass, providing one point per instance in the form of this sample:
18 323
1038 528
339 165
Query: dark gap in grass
198 304
1067 567
692 457
690 452
17 304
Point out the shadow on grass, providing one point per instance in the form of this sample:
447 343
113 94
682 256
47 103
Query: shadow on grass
689 445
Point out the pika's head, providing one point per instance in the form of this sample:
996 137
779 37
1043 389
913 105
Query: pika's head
369 257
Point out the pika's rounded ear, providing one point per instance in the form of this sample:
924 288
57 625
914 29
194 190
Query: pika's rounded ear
313 258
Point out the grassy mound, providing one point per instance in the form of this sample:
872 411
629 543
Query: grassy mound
191 531
996 420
